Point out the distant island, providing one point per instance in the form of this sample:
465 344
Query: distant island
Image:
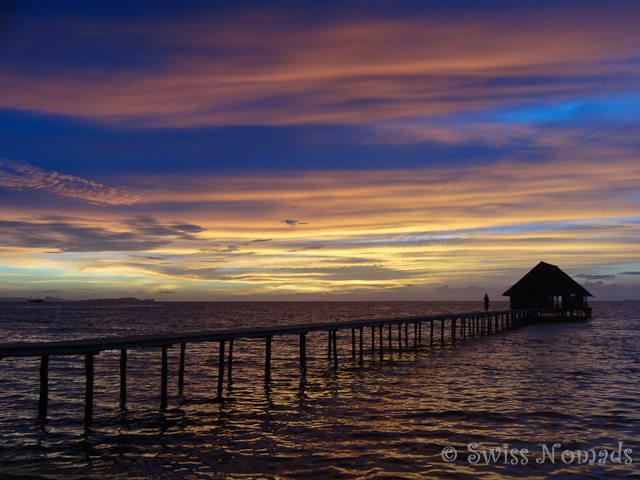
118 301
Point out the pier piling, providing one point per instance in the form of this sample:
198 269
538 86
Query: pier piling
373 339
123 377
88 398
335 347
303 351
164 380
220 367
44 387
183 349
230 359
406 335
353 343
431 337
473 324
267 363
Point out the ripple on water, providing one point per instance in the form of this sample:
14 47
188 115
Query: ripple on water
573 384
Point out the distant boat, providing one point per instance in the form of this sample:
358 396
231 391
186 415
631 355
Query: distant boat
34 300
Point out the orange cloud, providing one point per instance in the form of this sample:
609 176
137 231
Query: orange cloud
260 70
365 232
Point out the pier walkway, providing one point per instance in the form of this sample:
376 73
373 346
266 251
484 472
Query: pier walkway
458 326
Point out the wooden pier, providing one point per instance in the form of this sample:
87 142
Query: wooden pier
461 326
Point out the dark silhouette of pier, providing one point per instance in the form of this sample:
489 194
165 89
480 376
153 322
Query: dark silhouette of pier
460 326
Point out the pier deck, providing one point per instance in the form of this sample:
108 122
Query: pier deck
462 325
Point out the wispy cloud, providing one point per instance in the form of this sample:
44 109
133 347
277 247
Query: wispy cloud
595 277
22 176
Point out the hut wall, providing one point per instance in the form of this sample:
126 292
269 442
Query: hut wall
531 301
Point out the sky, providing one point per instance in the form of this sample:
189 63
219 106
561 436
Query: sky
335 150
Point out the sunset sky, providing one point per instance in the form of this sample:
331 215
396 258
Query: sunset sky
334 150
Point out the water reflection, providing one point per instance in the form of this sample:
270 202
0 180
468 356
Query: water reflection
569 383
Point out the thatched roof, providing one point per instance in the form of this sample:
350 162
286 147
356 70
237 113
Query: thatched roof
546 280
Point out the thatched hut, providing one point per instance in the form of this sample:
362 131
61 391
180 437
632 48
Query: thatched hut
546 286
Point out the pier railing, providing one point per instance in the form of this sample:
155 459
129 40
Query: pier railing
460 326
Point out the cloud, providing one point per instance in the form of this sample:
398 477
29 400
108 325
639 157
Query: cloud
150 226
457 290
21 175
370 230
69 236
630 273
293 223
595 277
228 249
248 69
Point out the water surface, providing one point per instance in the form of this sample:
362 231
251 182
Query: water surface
573 384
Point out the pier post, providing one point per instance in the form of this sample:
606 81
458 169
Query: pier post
361 343
329 346
488 319
406 335
373 339
454 323
303 351
353 343
400 338
44 387
163 380
230 358
183 350
381 347
220 367
88 393
267 362
335 348
463 327
123 377
420 332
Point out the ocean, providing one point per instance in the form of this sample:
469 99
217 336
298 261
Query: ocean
551 400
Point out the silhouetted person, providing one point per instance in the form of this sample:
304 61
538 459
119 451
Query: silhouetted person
486 302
